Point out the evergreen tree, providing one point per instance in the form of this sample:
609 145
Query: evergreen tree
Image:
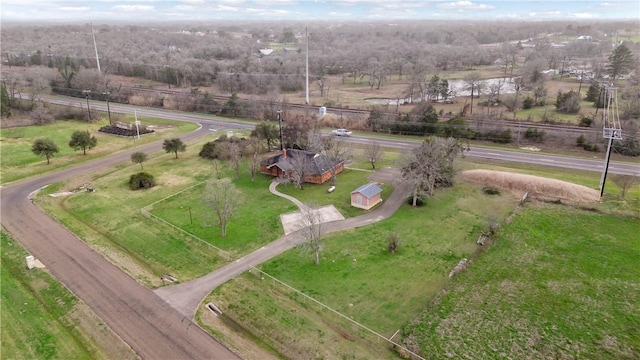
620 62
5 102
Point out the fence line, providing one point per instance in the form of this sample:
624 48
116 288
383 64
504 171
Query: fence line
149 215
172 195
338 313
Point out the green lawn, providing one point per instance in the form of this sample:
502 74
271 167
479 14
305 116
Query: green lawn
40 317
255 223
19 162
358 277
558 282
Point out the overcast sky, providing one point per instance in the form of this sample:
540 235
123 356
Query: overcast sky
106 11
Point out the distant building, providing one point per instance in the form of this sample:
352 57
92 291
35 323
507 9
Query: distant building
585 38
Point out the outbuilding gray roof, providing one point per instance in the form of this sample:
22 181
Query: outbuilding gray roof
368 190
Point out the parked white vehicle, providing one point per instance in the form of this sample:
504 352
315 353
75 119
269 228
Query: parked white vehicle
341 132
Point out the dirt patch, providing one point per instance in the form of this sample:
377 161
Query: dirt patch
386 175
129 266
173 180
537 187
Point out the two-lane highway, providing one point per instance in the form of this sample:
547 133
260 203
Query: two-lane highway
615 167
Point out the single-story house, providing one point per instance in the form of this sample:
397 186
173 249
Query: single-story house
280 165
366 196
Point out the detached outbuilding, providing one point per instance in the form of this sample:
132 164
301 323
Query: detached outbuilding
366 196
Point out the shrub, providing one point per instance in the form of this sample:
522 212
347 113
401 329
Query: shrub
141 180
586 121
208 151
568 102
393 242
490 190
527 103
419 201
581 141
534 135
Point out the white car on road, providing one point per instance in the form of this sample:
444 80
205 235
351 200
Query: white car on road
341 132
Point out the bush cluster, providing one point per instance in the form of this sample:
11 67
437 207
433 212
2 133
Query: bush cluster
141 180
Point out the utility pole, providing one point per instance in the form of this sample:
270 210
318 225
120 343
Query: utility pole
95 46
86 95
279 117
611 129
106 95
307 79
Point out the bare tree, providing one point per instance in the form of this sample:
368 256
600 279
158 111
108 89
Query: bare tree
231 152
373 152
625 182
336 153
253 151
223 198
216 167
312 230
315 140
431 165
473 83
301 166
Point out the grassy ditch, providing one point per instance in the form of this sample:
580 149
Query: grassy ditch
361 279
557 282
19 162
41 319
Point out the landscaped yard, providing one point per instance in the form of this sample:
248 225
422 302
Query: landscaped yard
361 279
19 162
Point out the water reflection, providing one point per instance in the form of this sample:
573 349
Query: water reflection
459 87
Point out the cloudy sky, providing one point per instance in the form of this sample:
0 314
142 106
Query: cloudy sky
106 11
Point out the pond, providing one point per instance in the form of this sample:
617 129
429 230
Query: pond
457 87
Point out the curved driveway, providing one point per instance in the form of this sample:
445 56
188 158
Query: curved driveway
186 297
152 328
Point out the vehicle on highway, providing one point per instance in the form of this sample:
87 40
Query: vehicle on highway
341 132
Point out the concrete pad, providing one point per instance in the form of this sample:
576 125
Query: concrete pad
293 221
64 193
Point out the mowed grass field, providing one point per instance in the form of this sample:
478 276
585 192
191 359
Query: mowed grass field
557 282
41 319
361 279
19 162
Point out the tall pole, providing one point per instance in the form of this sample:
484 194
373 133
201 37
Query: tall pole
607 158
108 109
280 128
95 46
307 79
86 95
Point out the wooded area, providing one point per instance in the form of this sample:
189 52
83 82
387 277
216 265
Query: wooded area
254 70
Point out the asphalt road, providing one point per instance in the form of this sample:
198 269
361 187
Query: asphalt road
152 328
632 167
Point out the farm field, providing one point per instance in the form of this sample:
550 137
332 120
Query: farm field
557 282
19 162
41 319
